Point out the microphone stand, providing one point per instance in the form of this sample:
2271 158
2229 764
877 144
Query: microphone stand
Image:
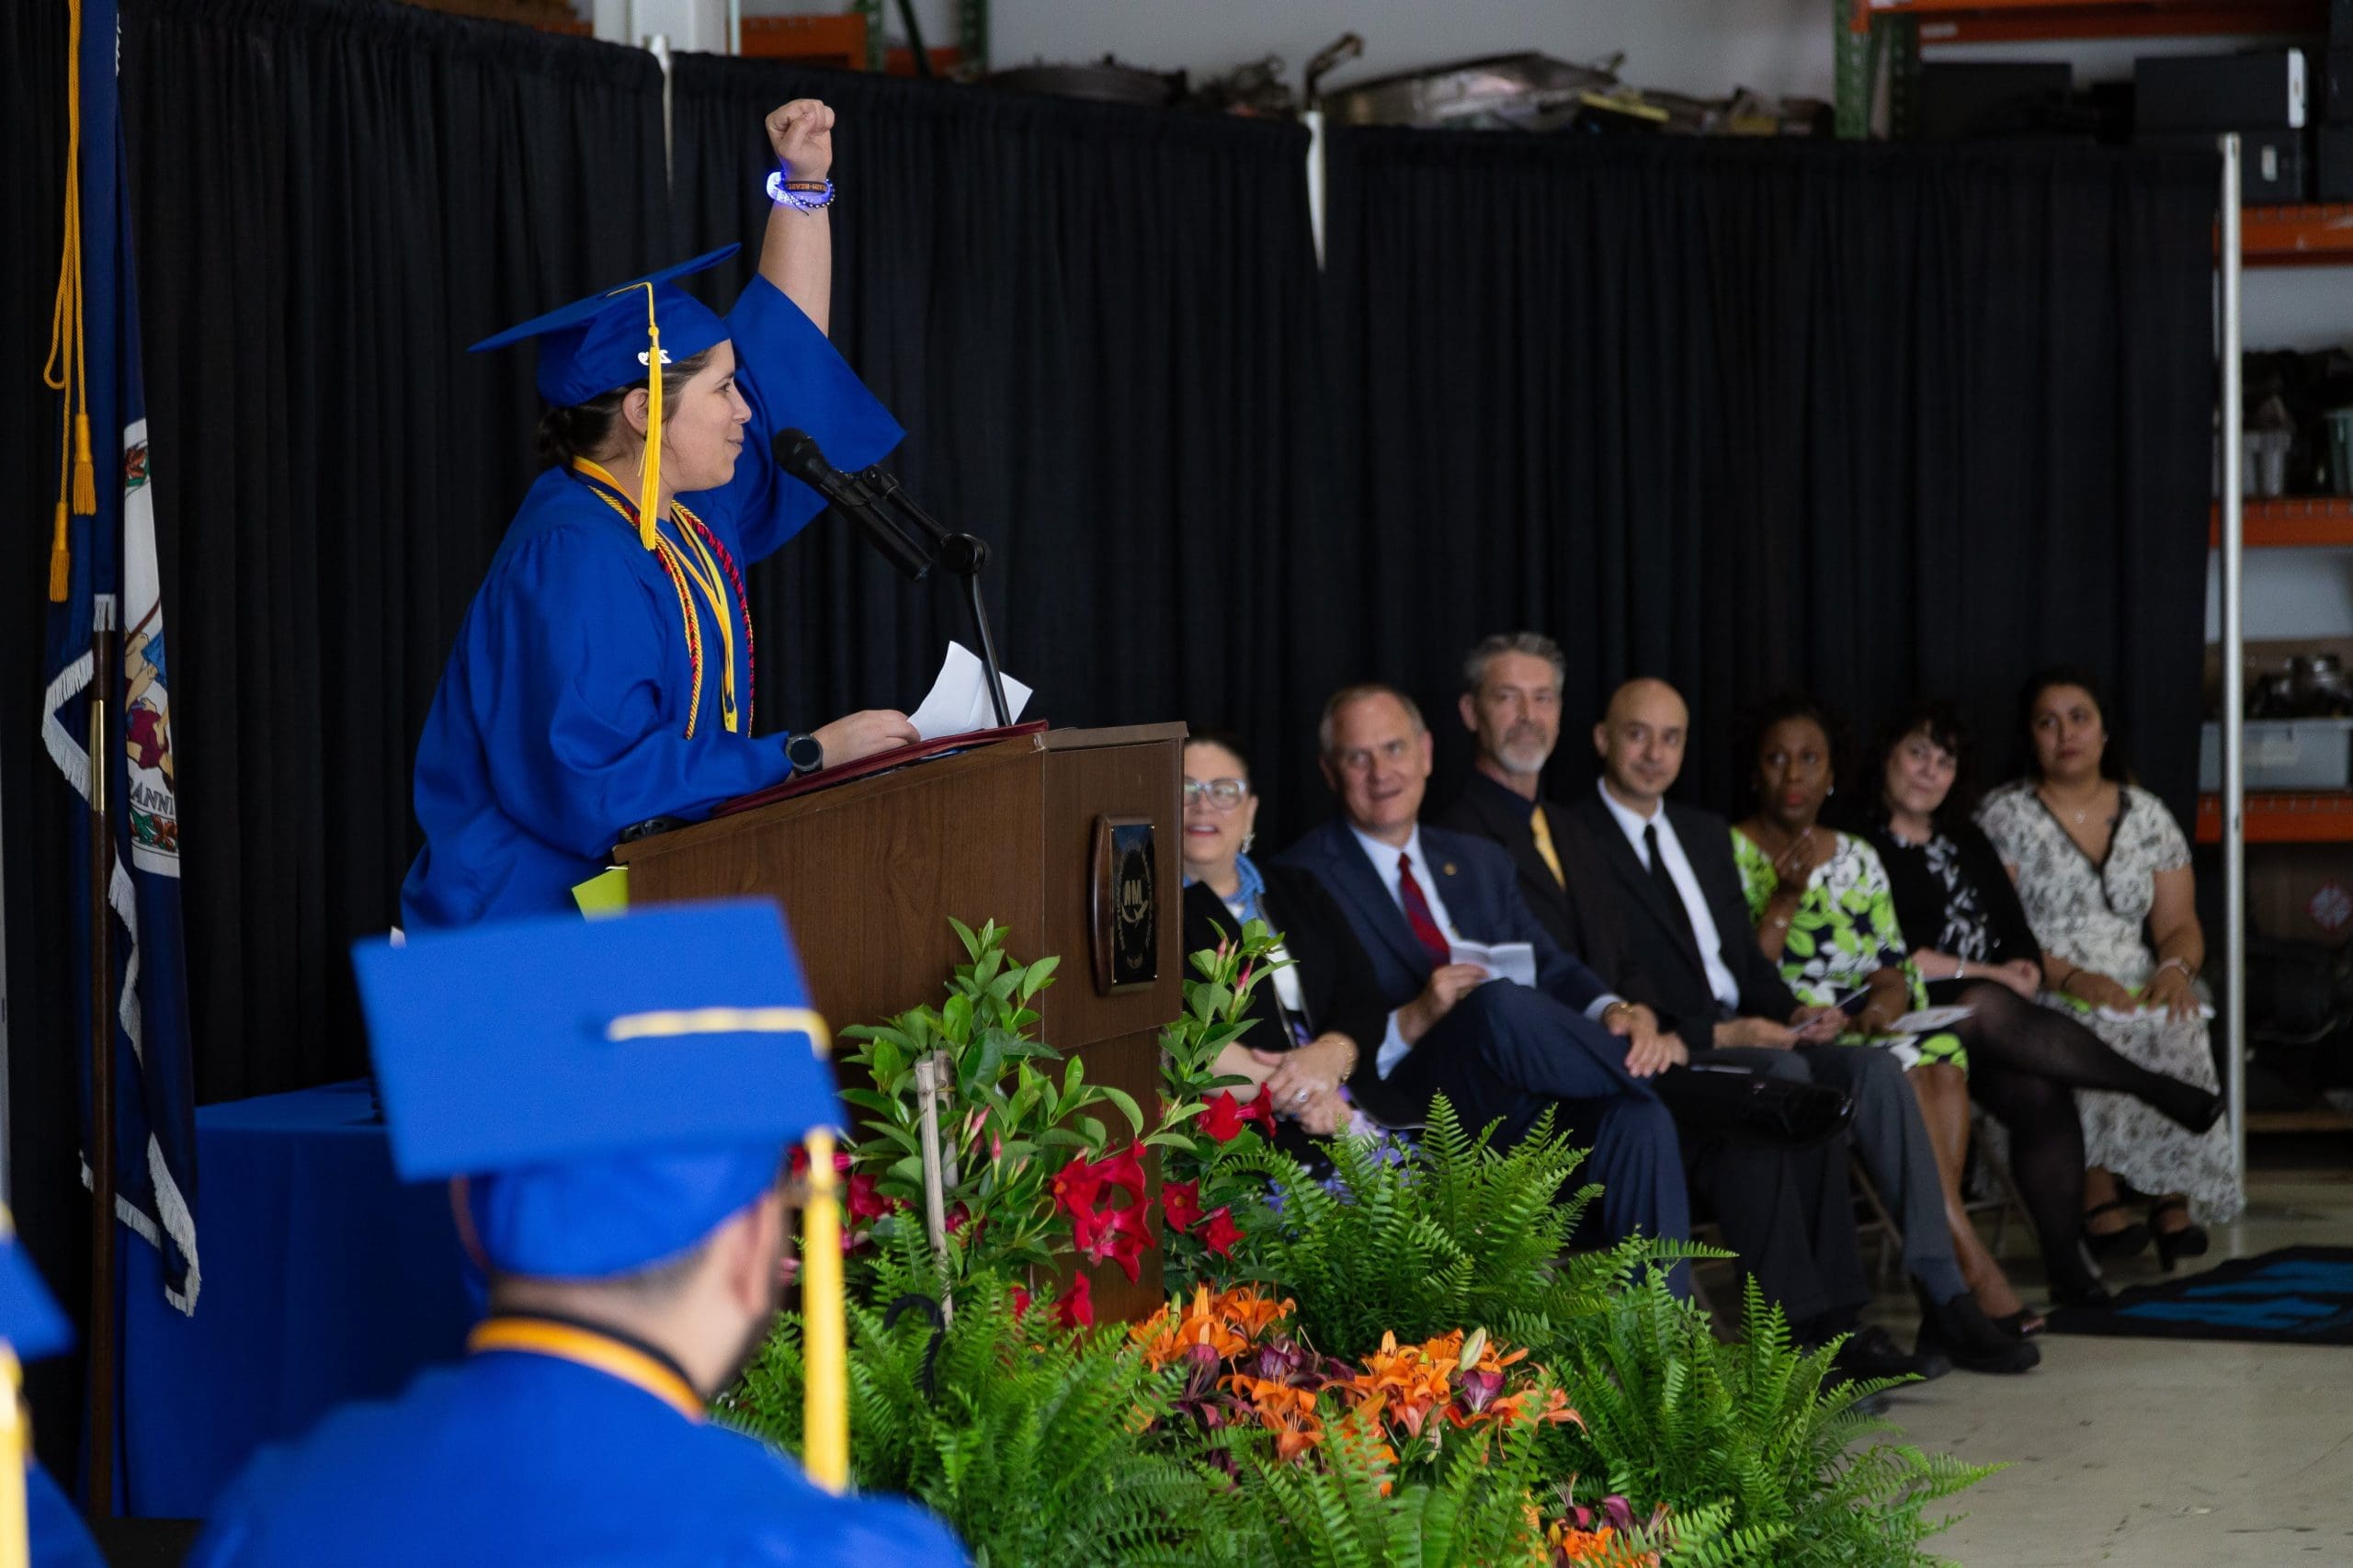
963 554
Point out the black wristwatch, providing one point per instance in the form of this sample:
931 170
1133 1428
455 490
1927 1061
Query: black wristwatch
806 754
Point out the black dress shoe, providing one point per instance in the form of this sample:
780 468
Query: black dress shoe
2089 1294
2198 1117
2183 1241
1872 1352
2124 1241
1960 1329
1743 1106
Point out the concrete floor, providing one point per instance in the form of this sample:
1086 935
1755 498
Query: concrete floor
2158 1452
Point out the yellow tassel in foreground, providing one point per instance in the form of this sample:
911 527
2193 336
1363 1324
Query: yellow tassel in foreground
823 1349
15 1551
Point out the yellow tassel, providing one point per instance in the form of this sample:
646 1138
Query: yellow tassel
824 1450
16 1546
650 490
60 559
85 474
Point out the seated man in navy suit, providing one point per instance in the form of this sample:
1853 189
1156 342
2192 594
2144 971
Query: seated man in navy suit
1498 1051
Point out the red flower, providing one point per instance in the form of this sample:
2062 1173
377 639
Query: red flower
1074 1308
1020 1302
1261 1110
1110 1235
1226 1116
1124 1170
1218 1232
866 1203
1180 1202
1076 1184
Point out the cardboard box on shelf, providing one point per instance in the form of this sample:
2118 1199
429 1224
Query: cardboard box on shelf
2301 892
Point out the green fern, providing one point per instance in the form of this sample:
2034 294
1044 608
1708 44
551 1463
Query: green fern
1671 1415
1032 1444
1452 1232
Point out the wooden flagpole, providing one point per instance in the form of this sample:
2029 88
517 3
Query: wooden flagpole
102 755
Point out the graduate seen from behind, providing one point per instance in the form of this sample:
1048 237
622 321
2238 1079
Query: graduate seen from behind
606 673
614 1100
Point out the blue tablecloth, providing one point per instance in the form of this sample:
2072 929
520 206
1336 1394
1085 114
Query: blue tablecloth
323 1280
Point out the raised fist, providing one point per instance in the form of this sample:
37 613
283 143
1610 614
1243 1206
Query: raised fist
802 134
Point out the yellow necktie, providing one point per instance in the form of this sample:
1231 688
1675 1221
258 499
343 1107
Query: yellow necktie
1543 831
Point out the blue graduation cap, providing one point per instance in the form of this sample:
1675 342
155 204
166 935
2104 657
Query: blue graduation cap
614 1090
29 1322
592 345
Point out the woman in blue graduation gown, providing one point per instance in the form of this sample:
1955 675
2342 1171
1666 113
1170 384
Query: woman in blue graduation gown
607 672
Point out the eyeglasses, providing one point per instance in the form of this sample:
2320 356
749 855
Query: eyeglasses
1223 793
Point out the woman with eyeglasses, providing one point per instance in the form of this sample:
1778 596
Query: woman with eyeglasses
1318 1019
2103 871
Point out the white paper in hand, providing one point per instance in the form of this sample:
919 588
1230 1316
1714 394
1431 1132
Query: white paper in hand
1515 962
959 701
1928 1020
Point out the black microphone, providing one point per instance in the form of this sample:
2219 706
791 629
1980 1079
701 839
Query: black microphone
798 454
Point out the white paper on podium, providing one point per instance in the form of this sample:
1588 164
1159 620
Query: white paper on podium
1515 962
958 700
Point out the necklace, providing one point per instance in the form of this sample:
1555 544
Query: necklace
2080 817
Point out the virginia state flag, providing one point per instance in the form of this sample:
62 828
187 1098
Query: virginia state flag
114 586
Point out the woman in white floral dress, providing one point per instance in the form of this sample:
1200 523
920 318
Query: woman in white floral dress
2103 871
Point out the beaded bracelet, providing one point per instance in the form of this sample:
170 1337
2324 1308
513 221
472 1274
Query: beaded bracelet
802 196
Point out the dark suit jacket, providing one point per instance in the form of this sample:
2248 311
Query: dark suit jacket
1660 941
1476 882
1336 979
1582 917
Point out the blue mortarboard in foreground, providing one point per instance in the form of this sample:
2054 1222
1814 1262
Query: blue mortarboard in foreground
615 1089
592 345
30 1321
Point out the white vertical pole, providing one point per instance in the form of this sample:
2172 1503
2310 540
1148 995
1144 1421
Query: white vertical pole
1313 120
2233 675
734 27
659 47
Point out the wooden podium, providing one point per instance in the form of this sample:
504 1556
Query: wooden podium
1067 838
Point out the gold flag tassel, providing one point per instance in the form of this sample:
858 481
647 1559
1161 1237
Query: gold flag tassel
67 370
650 490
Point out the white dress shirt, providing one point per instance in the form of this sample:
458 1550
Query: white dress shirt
1678 868
1394 1044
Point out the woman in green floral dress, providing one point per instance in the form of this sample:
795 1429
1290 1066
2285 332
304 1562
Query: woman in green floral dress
1825 911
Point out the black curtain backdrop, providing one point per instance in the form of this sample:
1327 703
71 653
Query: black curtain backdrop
1861 418
1872 421
332 202
1098 326
45 1185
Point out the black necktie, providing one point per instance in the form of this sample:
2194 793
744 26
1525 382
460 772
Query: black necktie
1668 890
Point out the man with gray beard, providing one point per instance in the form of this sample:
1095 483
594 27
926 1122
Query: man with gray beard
1786 1212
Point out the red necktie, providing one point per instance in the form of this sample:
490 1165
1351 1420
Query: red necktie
1418 915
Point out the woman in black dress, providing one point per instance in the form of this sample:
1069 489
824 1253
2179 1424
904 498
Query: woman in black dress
1973 944
1319 1018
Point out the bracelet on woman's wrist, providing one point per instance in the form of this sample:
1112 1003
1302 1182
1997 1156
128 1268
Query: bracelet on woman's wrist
802 196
